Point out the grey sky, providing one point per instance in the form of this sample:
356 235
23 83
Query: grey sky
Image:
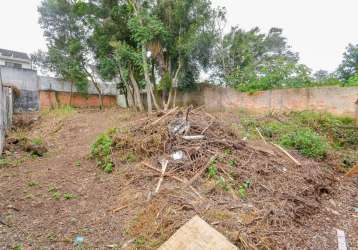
318 29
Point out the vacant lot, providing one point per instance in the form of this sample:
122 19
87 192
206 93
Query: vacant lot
250 191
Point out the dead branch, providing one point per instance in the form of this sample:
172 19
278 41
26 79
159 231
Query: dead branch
288 154
259 132
171 176
193 137
201 171
164 168
164 116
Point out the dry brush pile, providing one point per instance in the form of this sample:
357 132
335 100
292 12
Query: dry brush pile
252 192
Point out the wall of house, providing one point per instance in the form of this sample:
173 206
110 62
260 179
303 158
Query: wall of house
337 100
6 111
25 81
24 64
53 99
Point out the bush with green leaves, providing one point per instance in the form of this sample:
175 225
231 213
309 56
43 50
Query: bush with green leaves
101 151
307 142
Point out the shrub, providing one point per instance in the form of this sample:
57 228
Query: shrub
307 142
101 151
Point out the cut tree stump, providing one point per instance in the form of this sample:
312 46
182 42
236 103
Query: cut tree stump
197 235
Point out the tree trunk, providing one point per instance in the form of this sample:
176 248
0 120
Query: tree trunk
130 101
71 93
174 85
96 87
137 97
175 98
147 79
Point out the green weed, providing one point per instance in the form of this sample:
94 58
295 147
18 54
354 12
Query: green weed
101 151
56 195
78 163
140 241
37 141
232 163
307 142
69 196
61 112
131 157
17 247
243 189
52 189
212 170
32 183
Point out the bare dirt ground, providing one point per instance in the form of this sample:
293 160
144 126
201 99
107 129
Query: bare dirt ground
46 202
27 205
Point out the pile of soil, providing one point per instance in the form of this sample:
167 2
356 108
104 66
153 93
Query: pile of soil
251 192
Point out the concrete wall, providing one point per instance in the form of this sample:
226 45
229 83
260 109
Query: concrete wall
25 81
29 86
6 111
55 84
337 100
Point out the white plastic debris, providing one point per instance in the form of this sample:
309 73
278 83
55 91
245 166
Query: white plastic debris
178 155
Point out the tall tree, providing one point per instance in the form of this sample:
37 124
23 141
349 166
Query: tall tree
254 60
67 42
349 66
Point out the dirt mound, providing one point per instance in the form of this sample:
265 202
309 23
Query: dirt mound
255 186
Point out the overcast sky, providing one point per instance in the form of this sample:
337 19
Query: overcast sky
318 29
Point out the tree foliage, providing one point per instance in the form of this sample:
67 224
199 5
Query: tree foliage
349 66
251 60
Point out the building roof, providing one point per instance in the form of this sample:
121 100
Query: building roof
14 54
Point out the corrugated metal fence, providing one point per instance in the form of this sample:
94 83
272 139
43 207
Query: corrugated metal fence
6 111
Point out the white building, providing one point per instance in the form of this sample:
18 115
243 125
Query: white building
14 59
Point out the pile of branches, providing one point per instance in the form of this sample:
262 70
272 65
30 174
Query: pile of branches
187 138
184 144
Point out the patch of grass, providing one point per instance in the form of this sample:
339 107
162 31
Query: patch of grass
78 163
32 183
54 192
140 241
243 189
4 163
69 196
340 131
17 247
101 151
56 195
63 111
212 170
52 189
37 141
307 142
232 163
131 157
